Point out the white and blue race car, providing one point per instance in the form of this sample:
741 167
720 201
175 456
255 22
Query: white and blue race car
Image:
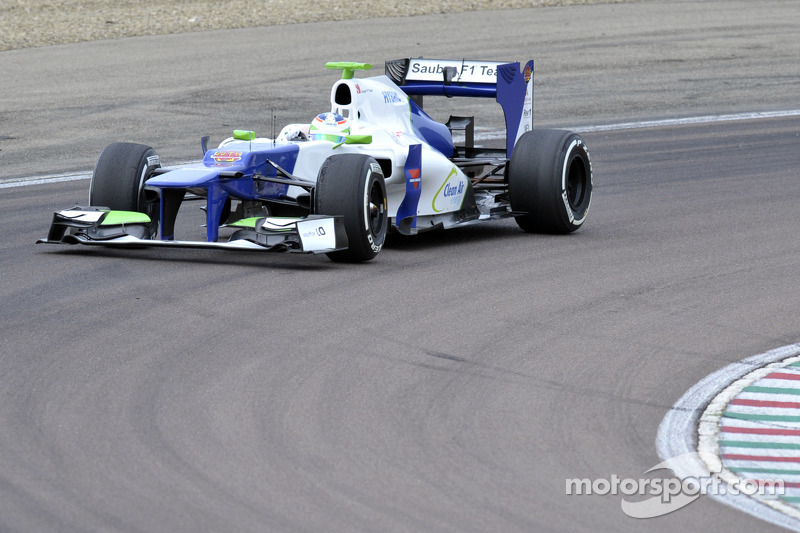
376 162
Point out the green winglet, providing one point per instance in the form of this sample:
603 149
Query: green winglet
117 218
347 67
244 135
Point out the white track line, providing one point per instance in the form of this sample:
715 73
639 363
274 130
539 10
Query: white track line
481 136
690 120
40 180
677 434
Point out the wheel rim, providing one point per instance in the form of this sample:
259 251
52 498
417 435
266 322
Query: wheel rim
376 209
576 183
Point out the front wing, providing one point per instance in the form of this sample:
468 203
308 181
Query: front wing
97 227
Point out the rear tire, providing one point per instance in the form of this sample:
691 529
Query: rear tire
352 185
550 179
118 180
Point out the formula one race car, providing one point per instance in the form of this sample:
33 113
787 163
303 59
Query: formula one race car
375 162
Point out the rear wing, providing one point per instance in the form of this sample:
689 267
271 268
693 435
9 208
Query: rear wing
509 84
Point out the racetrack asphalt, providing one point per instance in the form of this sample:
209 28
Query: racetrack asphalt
455 383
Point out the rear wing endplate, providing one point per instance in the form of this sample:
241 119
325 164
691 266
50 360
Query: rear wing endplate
509 83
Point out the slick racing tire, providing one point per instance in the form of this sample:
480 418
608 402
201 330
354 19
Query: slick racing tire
352 185
550 180
119 176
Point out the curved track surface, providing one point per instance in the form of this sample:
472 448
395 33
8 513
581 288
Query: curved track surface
455 383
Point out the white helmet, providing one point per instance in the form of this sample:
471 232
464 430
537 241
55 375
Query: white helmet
329 127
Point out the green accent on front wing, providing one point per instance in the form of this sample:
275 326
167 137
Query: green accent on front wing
117 218
347 67
245 223
244 135
790 499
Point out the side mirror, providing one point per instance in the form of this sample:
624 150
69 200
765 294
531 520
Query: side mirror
244 135
358 139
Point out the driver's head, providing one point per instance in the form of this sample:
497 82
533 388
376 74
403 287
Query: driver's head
329 127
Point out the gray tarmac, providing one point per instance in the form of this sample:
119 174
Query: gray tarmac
458 381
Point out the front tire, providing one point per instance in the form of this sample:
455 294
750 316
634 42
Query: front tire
352 185
118 180
550 179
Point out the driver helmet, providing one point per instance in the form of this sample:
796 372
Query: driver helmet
329 127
